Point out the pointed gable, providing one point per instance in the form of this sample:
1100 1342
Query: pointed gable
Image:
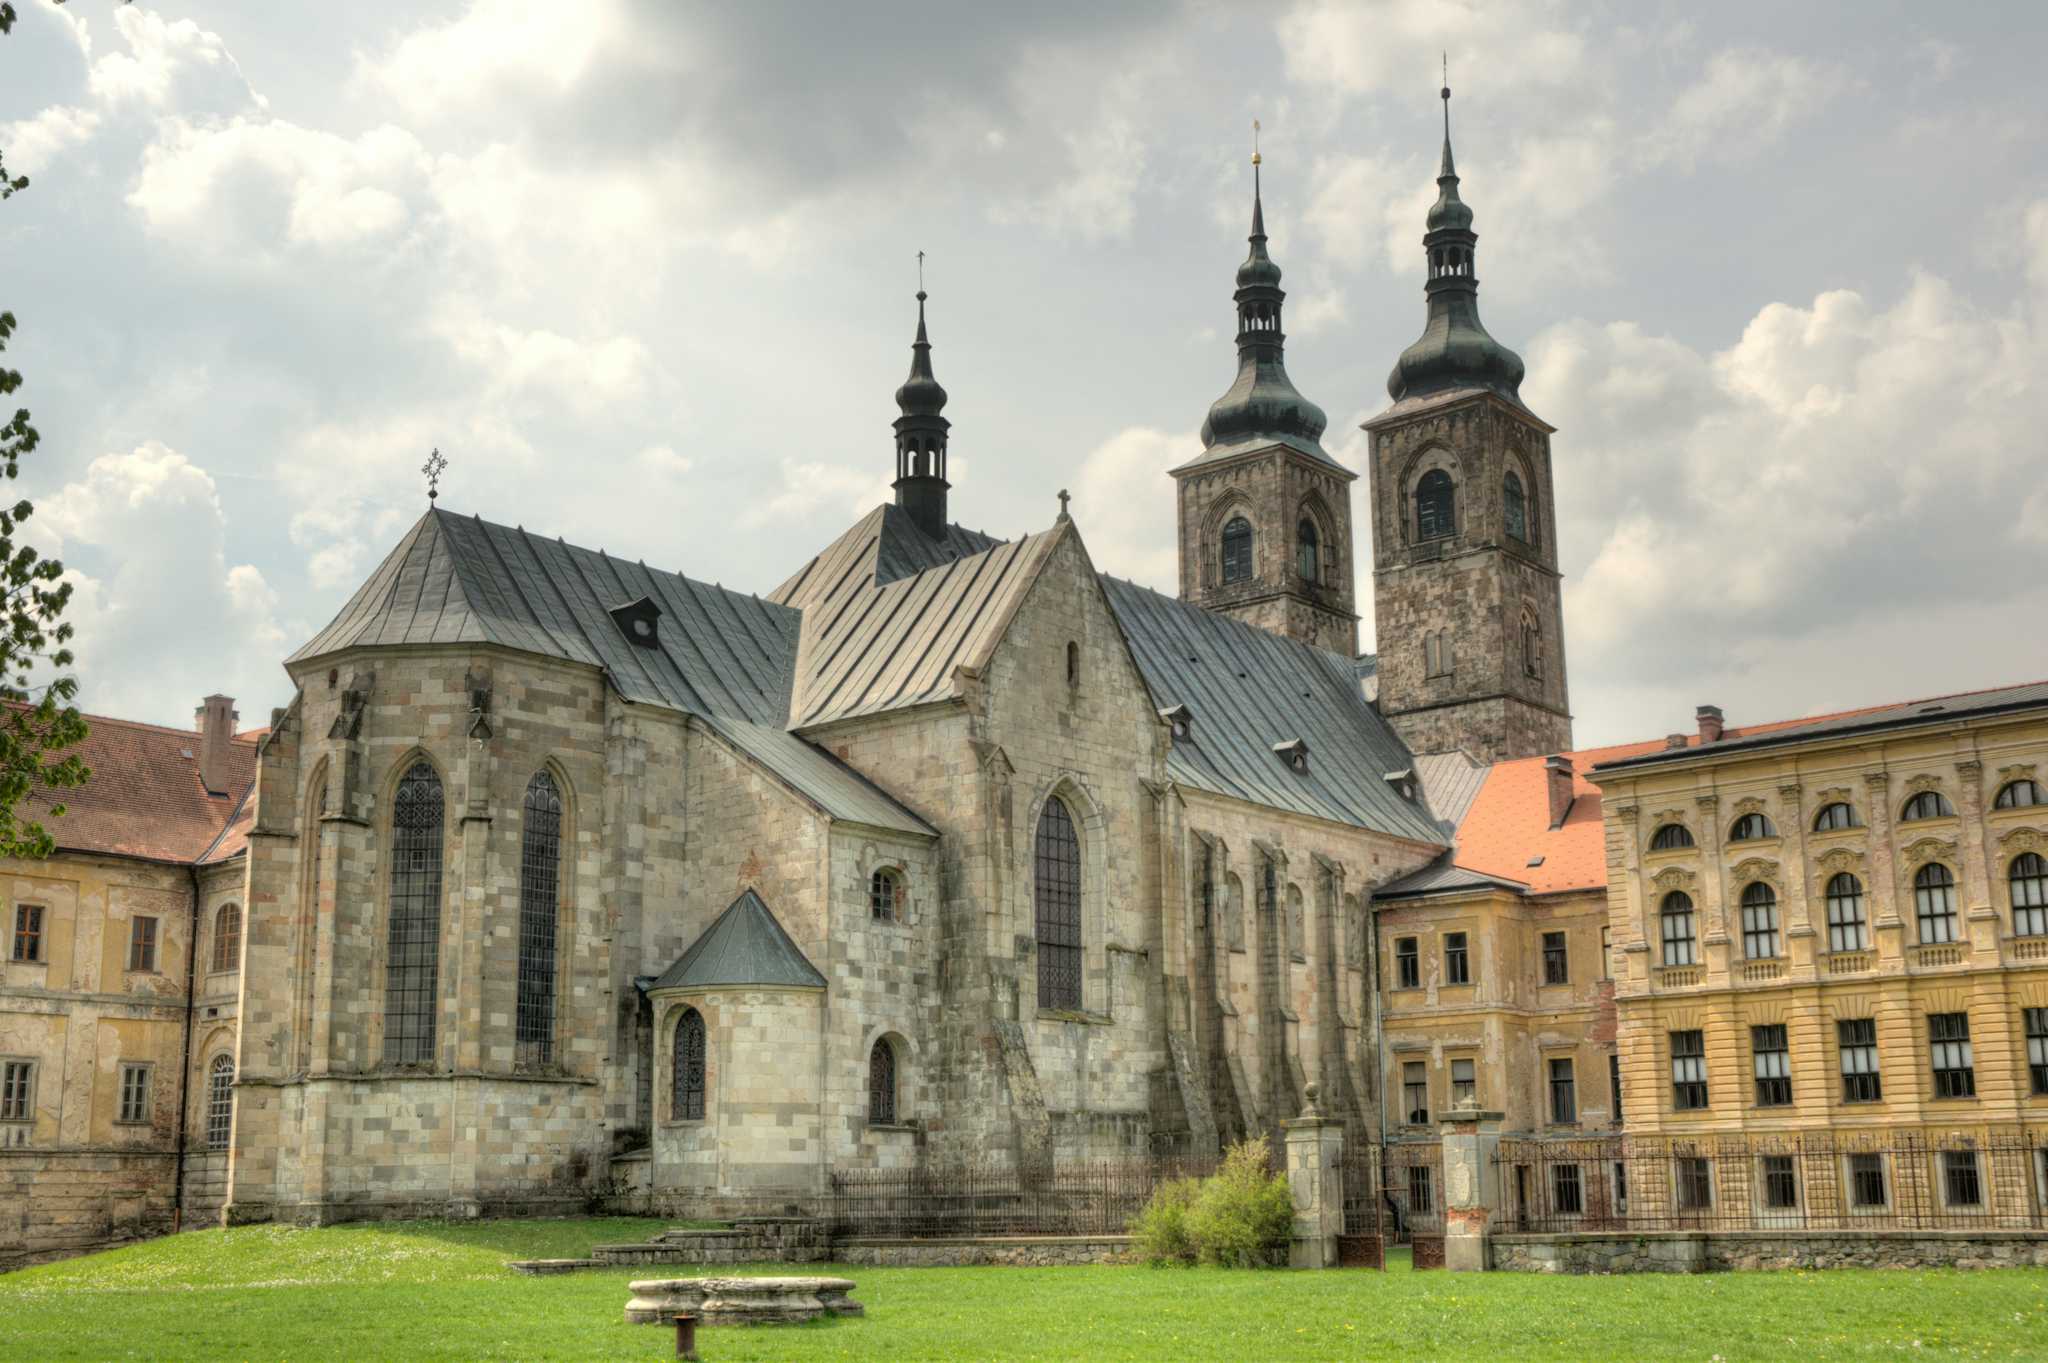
745 946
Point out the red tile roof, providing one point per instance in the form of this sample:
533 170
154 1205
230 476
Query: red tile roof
145 800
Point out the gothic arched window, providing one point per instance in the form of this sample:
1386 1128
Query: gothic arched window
1515 506
1681 942
1532 647
220 1102
1847 930
686 1101
882 1084
413 960
2027 879
1308 563
540 898
1436 510
227 938
1237 550
1057 899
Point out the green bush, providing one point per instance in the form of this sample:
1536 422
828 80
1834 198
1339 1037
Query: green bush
1162 1228
1240 1217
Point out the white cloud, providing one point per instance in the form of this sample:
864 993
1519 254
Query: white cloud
32 144
158 609
1125 506
1744 100
810 488
1360 47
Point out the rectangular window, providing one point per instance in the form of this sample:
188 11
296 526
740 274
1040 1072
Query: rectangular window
2037 1048
1866 1180
1407 963
1415 1091
1681 947
1621 1186
17 1091
1464 1083
1959 1178
1564 1101
134 1093
1606 954
28 932
1781 1183
1556 966
1760 929
1955 1071
1457 959
1614 1084
1688 1070
1695 1184
1860 1080
142 944
1773 1066
1421 1193
1567 1193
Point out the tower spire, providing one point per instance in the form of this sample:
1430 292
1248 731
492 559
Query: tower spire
921 432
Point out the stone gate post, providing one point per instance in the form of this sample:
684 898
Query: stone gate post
1315 1175
1471 1140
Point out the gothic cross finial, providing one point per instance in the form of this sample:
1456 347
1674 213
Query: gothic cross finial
1447 96
920 272
1063 504
433 468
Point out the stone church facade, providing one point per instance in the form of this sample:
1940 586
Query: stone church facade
563 881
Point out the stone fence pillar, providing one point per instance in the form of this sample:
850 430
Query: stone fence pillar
1315 1175
1471 1185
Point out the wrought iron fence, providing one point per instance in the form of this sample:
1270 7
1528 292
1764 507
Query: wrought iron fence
1092 1197
1828 1180
1412 1188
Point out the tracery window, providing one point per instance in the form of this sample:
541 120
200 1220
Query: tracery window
1515 506
2027 879
540 898
413 960
220 1102
1934 898
882 1084
1928 804
1307 555
227 938
1237 550
1057 899
1436 506
686 1100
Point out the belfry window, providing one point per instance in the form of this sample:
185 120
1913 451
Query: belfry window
1532 647
1237 550
413 960
1514 506
1057 895
540 897
1308 563
686 1101
1436 511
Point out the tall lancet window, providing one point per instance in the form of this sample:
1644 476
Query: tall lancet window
686 1065
1515 505
1308 559
1237 550
413 955
1057 896
1436 512
540 898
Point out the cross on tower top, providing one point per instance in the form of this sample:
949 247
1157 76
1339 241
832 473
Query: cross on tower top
1063 504
433 468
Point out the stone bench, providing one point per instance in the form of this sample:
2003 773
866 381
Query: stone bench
740 1301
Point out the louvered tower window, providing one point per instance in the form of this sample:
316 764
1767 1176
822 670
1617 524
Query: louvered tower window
1237 550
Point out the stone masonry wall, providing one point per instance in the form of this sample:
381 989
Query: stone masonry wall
1694 1251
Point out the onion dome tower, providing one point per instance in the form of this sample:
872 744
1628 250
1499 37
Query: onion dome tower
921 438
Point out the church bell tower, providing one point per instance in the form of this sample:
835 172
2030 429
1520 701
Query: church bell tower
1467 607
1265 514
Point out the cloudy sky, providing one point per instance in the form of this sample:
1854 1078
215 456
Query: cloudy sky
643 272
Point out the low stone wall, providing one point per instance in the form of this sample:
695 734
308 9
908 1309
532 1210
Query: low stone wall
751 1240
54 1204
1032 1251
1706 1251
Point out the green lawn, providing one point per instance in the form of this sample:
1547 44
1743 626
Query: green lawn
430 1290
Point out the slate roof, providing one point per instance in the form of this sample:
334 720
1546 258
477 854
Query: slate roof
145 798
900 644
1443 876
1248 690
743 946
722 656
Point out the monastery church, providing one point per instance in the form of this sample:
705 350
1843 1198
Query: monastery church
565 879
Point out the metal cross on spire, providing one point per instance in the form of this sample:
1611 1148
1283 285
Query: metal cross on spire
1255 141
1065 497
1447 96
920 272
433 469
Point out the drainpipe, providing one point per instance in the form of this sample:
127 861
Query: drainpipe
1372 942
185 1058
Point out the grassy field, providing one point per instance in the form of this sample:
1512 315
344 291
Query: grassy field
427 1290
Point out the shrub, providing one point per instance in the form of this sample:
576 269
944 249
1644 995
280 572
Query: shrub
1240 1217
1161 1229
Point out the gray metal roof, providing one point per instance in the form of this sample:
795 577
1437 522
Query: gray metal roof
1441 877
901 644
1248 690
1366 667
743 946
722 656
1450 782
881 547
1933 710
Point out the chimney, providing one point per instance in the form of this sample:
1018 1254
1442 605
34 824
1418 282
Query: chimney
1710 724
216 720
1557 775
1672 741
